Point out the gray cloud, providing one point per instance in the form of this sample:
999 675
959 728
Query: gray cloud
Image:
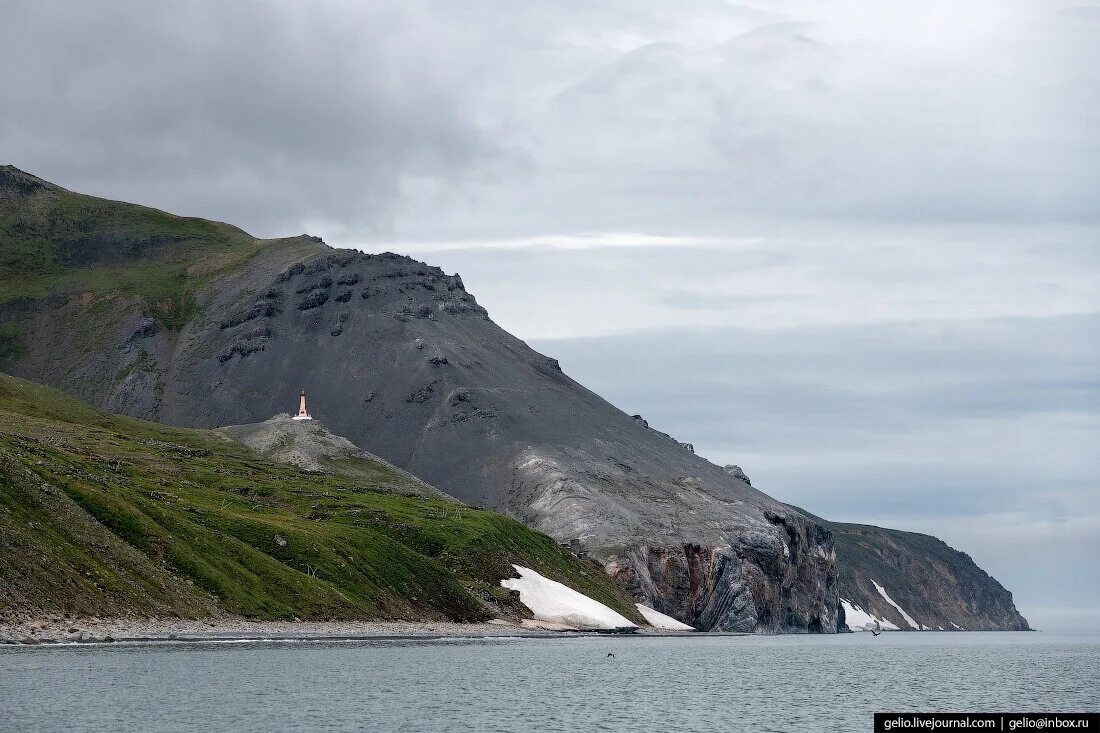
781 276
277 118
372 121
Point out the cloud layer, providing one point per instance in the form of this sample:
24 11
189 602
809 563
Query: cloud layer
427 120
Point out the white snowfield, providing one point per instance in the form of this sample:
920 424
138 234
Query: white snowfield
658 620
551 601
908 619
859 620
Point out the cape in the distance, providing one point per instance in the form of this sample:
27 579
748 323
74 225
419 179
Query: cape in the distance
194 323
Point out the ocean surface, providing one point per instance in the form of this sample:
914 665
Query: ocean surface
700 683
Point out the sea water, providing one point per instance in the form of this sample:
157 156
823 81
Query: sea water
698 683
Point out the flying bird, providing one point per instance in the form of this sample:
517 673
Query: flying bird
875 628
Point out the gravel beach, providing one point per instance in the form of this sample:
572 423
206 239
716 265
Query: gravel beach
94 630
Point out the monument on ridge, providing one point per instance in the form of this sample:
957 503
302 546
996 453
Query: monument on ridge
302 414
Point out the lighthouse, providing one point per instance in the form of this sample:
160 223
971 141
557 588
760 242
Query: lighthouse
302 414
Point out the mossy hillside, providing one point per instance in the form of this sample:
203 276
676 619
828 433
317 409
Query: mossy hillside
54 241
203 523
54 557
12 345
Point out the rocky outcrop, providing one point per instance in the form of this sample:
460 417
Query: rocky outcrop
312 447
734 588
737 473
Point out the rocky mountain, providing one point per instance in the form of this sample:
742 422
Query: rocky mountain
110 516
197 324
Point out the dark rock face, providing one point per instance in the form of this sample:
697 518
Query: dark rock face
315 299
758 585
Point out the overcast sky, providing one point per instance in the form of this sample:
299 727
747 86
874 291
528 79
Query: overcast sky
852 246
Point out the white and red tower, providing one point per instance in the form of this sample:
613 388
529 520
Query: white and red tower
302 414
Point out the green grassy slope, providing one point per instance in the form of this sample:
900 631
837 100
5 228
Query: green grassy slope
56 241
107 515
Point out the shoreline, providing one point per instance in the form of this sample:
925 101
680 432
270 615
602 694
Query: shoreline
98 631
59 632
55 630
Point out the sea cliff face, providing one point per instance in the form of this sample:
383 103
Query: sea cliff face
709 552
755 586
914 582
887 571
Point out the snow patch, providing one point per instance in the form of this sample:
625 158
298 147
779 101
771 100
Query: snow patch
859 620
908 619
658 620
957 626
556 603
